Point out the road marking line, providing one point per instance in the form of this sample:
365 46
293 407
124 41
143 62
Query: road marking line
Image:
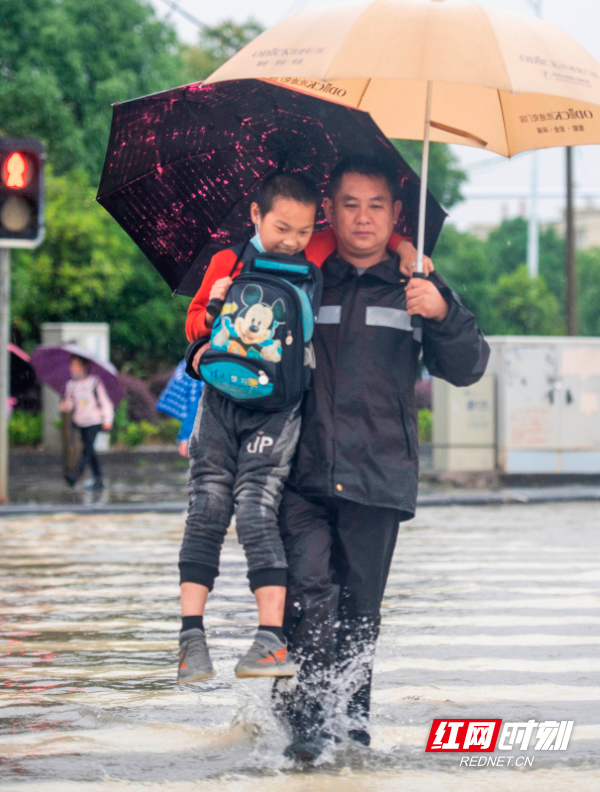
479 694
520 665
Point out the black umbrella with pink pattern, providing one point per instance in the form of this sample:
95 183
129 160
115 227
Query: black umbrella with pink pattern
183 166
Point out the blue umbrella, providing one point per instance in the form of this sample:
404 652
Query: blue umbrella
180 399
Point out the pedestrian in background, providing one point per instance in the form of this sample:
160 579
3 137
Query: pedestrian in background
179 399
87 399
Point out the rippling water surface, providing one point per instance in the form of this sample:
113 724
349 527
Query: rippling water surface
489 613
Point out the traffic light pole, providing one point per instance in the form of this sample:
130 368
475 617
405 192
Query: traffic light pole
21 226
4 368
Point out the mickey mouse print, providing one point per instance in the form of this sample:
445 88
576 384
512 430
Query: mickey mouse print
249 329
261 352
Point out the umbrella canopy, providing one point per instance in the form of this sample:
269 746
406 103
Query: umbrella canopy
183 167
51 364
22 375
454 73
504 83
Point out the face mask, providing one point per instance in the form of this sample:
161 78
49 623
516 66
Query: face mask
257 241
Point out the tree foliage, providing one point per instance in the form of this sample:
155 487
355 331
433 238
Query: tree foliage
216 45
505 303
63 62
491 278
80 266
147 322
507 246
445 175
588 291
463 260
525 306
88 269
507 249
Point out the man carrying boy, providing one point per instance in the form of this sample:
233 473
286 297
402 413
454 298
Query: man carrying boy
243 455
355 474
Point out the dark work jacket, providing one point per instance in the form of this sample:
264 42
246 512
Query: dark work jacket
359 436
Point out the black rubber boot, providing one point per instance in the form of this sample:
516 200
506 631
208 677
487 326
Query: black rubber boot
301 708
361 736
357 638
309 750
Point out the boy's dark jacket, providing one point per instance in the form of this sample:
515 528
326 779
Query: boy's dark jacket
359 437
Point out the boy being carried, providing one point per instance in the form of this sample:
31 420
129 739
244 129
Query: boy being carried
241 455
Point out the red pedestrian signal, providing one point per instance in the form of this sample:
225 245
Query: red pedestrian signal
21 192
15 168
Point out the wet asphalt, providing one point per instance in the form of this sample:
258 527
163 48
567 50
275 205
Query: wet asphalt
490 612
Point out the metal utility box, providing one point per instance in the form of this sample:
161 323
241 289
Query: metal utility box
464 426
94 337
548 403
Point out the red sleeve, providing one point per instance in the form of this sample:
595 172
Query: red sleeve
395 240
323 244
219 267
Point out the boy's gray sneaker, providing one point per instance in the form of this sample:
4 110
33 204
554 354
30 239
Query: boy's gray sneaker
194 659
267 657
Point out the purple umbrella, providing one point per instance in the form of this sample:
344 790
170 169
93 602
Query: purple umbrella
183 166
51 364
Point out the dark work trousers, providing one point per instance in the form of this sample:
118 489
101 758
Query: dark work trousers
88 455
237 457
339 555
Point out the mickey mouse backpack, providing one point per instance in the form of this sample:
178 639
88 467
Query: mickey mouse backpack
261 353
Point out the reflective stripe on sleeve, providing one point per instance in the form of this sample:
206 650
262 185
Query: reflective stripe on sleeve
329 314
395 318
388 317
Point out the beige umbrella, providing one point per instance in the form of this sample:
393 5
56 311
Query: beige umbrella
433 70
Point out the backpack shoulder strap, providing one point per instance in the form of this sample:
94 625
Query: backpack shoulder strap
215 306
239 256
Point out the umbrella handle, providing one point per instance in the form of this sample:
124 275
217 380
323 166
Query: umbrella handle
417 319
424 175
214 307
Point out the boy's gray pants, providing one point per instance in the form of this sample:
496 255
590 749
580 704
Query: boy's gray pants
242 457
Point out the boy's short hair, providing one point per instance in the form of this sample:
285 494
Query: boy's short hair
365 165
296 186
84 361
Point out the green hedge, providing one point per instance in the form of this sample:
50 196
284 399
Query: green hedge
134 433
425 420
25 429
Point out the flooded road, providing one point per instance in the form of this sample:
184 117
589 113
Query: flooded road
490 612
